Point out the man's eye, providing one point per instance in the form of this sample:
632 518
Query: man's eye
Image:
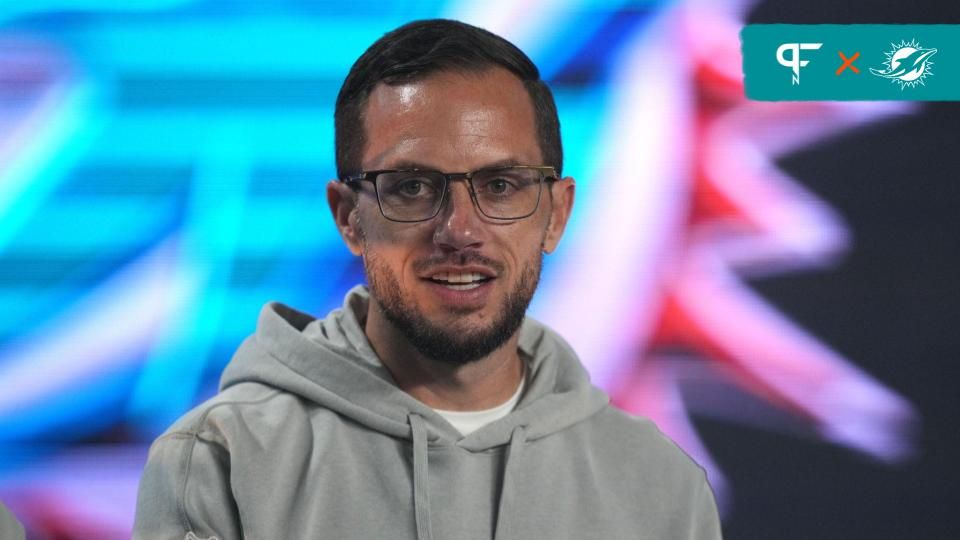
499 186
411 187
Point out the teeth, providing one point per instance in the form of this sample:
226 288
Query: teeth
465 287
462 277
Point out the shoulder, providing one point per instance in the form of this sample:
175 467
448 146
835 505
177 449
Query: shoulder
639 448
241 409
632 429
234 430
187 482
648 473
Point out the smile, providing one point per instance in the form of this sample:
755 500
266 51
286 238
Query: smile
462 281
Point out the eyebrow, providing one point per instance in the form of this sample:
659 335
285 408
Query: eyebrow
411 164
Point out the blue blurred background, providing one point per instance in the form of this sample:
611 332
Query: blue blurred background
162 174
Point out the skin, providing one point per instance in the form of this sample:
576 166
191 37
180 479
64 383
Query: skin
452 122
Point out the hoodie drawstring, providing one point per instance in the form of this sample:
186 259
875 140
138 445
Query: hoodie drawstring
514 451
421 478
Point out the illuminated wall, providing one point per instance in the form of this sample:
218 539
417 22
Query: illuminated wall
162 174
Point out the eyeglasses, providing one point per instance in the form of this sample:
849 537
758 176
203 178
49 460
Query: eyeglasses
408 196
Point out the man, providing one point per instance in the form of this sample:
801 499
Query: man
428 406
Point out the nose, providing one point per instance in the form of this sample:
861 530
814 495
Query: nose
460 225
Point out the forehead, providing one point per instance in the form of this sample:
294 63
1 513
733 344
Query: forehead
451 121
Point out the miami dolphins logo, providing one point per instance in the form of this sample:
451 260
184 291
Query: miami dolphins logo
907 64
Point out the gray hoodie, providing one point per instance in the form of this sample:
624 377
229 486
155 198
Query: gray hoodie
310 438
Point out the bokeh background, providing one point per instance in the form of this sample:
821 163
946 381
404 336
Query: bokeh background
776 284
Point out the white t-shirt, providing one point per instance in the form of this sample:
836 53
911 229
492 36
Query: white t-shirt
467 422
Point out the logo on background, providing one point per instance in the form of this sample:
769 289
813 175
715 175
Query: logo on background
794 62
907 64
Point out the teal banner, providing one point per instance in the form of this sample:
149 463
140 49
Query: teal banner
803 62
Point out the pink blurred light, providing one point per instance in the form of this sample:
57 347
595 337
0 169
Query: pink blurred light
80 493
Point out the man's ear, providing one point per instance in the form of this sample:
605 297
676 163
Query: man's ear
343 206
562 191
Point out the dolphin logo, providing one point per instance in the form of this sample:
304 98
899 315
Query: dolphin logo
907 63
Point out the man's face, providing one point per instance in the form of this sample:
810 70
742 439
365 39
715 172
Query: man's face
454 122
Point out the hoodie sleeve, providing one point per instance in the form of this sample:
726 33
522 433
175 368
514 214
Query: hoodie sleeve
185 491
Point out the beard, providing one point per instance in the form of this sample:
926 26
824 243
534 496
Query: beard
451 344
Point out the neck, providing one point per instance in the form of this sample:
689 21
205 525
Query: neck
477 385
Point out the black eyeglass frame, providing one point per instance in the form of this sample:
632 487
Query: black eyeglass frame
547 174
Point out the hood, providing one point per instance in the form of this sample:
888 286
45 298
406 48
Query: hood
330 362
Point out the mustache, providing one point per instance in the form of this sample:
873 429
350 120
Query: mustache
458 259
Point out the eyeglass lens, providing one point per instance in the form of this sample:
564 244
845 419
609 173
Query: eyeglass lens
417 195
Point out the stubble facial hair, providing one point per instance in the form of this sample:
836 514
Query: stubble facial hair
450 345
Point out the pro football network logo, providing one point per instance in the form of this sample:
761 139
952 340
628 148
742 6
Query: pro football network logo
794 62
907 64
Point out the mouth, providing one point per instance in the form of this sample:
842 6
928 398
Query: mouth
459 281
